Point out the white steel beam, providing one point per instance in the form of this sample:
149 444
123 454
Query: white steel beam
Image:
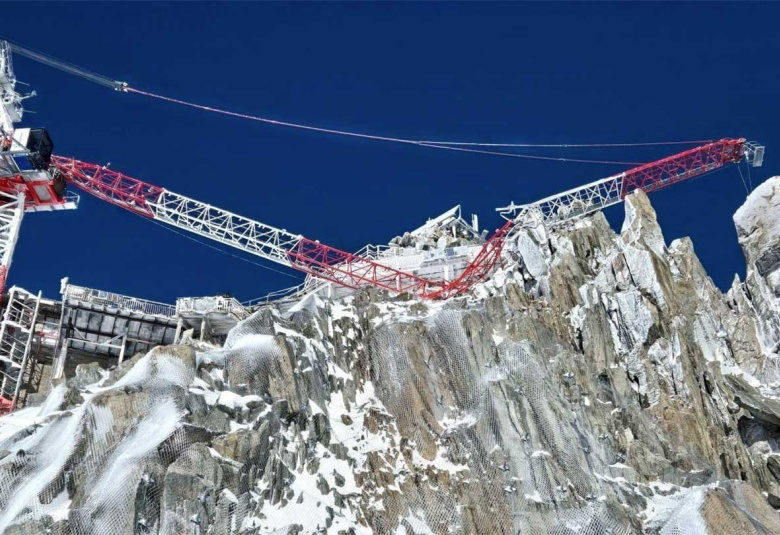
568 205
225 227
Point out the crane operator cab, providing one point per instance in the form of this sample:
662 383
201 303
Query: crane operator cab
35 148
25 166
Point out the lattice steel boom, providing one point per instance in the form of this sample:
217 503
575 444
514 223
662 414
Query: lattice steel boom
265 241
353 271
653 176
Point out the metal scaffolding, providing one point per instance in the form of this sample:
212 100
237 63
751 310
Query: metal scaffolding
17 330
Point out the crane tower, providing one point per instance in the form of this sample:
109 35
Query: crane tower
27 183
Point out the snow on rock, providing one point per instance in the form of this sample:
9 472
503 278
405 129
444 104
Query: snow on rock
640 224
596 383
758 219
532 255
680 510
758 229
51 447
32 416
235 402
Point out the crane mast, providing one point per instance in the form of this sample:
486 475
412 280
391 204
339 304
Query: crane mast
353 271
26 182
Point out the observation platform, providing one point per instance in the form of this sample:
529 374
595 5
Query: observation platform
211 317
100 326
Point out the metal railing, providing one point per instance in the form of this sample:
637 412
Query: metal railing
114 300
203 305
282 295
372 252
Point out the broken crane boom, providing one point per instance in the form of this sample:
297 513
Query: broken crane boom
353 271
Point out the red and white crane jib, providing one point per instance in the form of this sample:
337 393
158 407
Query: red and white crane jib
649 177
279 245
259 239
353 271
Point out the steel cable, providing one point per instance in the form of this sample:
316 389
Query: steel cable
367 136
105 81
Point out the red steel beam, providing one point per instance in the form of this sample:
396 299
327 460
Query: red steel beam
353 271
683 166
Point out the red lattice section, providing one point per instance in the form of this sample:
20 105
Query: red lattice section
354 271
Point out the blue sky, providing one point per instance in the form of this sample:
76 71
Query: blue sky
503 72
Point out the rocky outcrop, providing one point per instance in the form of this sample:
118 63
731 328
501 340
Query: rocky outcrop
758 227
597 383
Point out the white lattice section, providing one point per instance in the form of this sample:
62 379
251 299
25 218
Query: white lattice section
225 227
6 65
16 335
569 204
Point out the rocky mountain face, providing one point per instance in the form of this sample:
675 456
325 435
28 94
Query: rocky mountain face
598 384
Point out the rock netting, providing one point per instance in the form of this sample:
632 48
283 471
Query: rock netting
599 383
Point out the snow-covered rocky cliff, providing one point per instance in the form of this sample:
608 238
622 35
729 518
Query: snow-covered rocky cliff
599 384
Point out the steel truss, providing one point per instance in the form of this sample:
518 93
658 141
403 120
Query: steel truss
354 270
17 330
225 227
114 300
265 241
11 213
653 176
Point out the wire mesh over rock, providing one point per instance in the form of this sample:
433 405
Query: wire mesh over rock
598 383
